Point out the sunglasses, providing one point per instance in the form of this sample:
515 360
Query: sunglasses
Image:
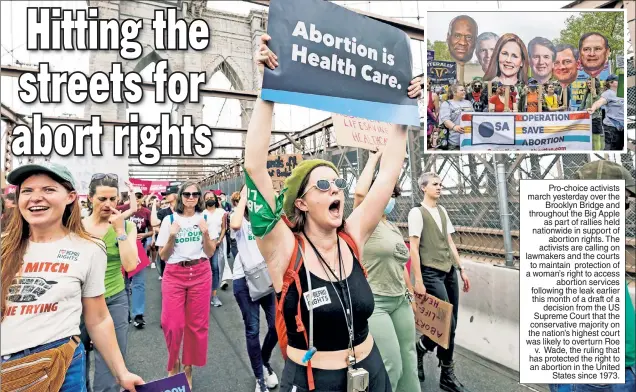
325 185
191 195
101 176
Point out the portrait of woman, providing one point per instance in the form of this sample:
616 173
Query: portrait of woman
511 61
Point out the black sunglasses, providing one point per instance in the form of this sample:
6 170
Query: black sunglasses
101 176
189 195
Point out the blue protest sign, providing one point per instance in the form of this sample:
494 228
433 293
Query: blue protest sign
176 383
336 60
430 55
442 72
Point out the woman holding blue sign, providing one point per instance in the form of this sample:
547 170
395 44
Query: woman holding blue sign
324 300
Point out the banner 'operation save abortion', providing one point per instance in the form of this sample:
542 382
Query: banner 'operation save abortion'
336 60
561 131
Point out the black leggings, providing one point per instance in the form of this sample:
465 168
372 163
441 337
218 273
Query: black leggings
295 375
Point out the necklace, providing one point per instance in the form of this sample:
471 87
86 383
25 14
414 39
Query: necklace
346 306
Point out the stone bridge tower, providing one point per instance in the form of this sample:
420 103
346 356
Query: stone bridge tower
234 38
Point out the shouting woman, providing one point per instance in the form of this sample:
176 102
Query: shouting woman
51 263
334 342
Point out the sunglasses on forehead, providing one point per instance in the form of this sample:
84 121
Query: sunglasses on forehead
325 185
189 195
101 176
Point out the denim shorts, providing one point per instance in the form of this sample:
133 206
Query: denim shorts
75 379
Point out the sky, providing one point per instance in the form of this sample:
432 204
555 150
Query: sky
222 112
526 25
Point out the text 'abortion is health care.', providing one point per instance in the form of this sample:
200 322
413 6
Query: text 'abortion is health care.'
572 281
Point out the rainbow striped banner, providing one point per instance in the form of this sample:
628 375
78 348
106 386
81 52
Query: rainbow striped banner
564 131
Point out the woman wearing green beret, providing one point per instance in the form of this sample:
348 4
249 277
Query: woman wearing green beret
324 299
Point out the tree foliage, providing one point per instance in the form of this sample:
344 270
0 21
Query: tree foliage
610 24
441 50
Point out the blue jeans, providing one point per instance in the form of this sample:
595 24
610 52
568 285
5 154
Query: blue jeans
103 380
629 386
75 380
251 319
136 289
214 262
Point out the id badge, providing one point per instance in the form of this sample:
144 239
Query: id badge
357 380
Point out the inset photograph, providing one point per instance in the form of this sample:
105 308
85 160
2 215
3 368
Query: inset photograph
525 81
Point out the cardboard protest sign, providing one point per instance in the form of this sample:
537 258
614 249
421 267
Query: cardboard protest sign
433 318
176 383
526 131
336 60
281 166
442 72
358 132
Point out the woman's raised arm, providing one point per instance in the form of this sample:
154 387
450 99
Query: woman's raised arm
277 245
364 219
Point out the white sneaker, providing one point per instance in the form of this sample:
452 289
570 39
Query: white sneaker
260 386
153 265
270 377
160 278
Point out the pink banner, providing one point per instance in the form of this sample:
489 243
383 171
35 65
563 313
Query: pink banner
150 187
10 189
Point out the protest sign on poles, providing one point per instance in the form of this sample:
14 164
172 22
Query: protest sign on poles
358 132
336 60
281 166
433 318
526 131
442 72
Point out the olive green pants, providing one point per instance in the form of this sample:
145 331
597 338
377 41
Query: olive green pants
392 326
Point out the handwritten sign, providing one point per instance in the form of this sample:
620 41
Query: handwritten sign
358 132
176 383
433 318
281 166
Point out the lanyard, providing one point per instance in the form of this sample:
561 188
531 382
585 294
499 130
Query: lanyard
346 307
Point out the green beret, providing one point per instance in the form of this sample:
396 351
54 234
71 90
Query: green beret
292 183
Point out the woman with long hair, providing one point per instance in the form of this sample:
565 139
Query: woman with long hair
512 61
497 102
249 257
392 323
53 273
184 243
214 217
450 116
326 320
120 237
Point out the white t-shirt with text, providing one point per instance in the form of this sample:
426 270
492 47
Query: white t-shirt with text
416 222
44 303
248 251
188 242
215 222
